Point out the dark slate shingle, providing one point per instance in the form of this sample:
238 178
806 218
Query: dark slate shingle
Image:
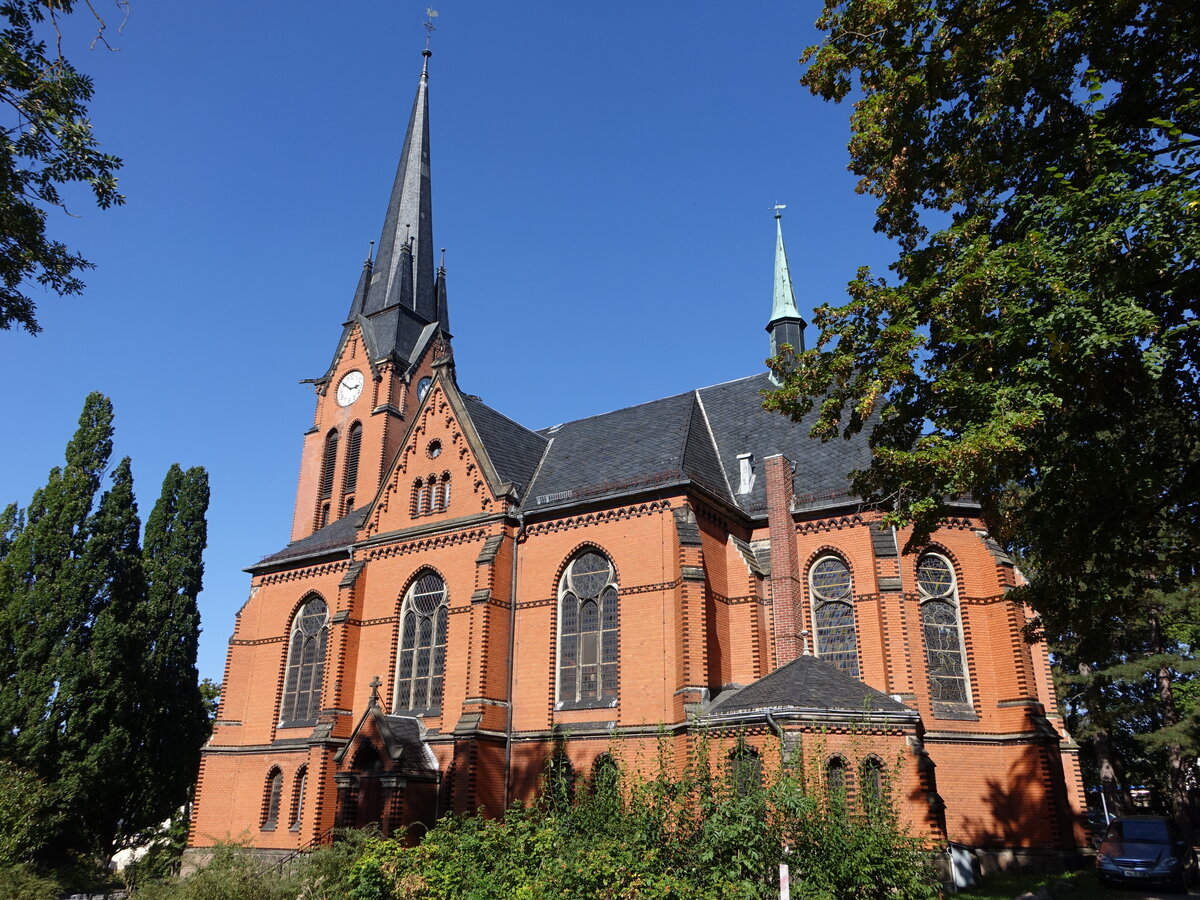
807 682
513 449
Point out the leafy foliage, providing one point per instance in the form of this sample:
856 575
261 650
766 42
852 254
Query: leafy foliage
697 834
48 143
1037 165
98 693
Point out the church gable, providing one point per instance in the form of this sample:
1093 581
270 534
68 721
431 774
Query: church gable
442 470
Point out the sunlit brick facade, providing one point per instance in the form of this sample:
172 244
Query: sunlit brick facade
463 597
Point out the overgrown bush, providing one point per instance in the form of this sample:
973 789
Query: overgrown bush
697 834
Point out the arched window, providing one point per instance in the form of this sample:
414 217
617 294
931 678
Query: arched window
833 613
422 645
328 464
306 664
835 778
944 657
745 770
560 779
274 793
871 778
606 775
445 493
587 634
353 447
298 797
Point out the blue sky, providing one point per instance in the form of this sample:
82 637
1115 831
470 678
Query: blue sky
603 177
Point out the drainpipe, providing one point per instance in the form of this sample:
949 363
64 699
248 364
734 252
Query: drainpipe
512 639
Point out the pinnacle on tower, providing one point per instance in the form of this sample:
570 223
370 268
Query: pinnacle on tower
786 326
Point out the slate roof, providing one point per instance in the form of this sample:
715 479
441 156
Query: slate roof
513 449
807 683
741 425
333 537
696 436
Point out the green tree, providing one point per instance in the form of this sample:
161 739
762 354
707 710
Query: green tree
1036 164
99 696
47 144
175 712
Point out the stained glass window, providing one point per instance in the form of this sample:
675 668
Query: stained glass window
306 664
833 614
944 657
588 631
422 645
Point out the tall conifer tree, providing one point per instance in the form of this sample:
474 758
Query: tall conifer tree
98 692
176 534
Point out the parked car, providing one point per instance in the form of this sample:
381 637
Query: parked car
1146 849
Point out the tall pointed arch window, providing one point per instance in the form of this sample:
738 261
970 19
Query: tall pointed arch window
329 461
271 800
588 630
942 626
353 448
833 613
422 662
306 664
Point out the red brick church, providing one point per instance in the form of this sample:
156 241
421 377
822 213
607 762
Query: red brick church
463 596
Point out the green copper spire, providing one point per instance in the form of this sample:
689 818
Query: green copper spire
784 306
785 326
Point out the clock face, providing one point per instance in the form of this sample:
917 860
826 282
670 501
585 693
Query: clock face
423 387
349 388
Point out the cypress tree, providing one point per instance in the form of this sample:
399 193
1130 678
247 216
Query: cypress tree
98 684
176 534
45 609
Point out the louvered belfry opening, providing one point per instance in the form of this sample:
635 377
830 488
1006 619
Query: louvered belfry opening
353 446
331 445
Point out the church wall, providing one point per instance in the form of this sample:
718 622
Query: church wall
258 651
639 539
989 791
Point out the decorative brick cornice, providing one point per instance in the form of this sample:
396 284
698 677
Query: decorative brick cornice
423 544
595 518
307 572
830 524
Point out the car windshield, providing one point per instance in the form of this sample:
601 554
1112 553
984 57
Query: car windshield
1142 832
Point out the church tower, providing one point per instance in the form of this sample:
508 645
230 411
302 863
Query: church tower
396 332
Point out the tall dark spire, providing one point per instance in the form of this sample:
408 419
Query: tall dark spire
409 212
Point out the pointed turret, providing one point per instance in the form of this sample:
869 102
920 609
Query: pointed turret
443 306
409 214
360 293
786 325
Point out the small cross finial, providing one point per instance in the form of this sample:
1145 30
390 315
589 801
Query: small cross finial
777 207
430 28
374 686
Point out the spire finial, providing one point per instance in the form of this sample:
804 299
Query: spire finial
374 686
442 264
370 251
777 208
430 28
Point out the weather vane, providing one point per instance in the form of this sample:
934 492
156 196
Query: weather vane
430 28
777 207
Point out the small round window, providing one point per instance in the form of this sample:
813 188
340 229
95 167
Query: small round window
434 450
